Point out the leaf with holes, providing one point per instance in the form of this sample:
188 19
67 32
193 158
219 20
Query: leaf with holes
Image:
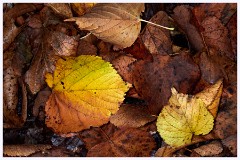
86 91
115 23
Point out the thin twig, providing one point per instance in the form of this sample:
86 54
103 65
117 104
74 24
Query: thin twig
157 24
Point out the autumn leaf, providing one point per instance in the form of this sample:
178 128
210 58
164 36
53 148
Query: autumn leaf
178 121
23 150
82 8
86 91
125 143
187 115
130 116
211 96
117 23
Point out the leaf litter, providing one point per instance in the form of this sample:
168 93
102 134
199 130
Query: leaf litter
148 60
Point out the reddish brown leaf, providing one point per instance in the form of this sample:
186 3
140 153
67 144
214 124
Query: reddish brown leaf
231 143
86 48
183 16
157 40
216 36
225 124
212 149
123 65
222 11
138 50
63 45
23 150
10 31
153 81
232 29
125 143
131 116
20 9
97 135
63 9
210 70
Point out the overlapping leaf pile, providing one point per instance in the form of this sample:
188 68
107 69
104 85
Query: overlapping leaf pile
73 80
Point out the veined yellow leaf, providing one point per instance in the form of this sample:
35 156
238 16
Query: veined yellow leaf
86 91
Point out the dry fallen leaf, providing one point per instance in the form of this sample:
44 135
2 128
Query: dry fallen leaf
183 118
186 115
222 11
183 17
63 9
125 143
130 116
153 80
82 8
123 65
86 91
117 23
211 96
215 35
96 135
211 149
23 150
157 40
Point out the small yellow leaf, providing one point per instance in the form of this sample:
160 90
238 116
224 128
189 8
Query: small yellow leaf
211 96
116 23
86 91
188 115
184 117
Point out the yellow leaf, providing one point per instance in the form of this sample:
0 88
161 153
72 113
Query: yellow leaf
86 91
211 96
117 23
177 124
188 115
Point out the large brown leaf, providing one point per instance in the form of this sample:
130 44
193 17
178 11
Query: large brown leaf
117 23
125 143
153 80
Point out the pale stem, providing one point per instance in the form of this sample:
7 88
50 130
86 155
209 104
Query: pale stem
157 24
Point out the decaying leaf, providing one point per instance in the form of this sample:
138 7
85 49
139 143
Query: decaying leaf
23 150
10 31
231 143
86 91
216 36
82 8
14 93
182 118
117 23
96 135
222 11
157 40
61 8
130 116
184 18
186 115
211 149
211 96
153 80
125 143
123 66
